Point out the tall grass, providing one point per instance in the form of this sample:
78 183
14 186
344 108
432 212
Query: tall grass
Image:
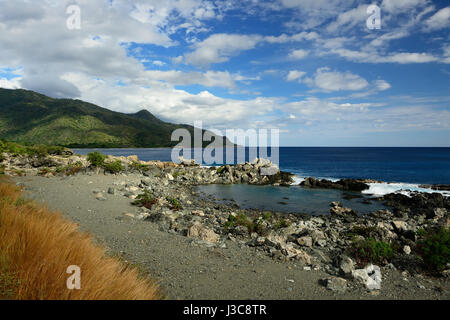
37 246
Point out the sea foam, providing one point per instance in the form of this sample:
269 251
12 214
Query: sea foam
380 189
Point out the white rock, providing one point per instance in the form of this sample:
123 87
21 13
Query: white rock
369 276
407 249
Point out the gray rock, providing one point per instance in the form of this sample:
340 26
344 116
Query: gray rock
305 241
336 284
111 190
346 266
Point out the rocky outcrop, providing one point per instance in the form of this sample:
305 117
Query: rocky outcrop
417 203
438 187
338 209
343 184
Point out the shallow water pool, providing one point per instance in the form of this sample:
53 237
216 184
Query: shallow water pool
294 199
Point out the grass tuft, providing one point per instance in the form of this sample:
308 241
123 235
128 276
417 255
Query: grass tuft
36 248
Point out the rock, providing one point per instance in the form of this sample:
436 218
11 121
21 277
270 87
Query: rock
335 284
305 241
303 257
337 209
275 240
111 190
407 249
400 225
269 171
146 181
197 230
198 213
100 197
170 177
343 184
369 276
187 162
439 213
346 266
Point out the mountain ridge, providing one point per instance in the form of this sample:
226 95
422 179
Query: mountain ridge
32 118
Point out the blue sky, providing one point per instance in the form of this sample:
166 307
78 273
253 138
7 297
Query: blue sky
310 68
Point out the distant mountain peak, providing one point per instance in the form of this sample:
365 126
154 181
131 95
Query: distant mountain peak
144 114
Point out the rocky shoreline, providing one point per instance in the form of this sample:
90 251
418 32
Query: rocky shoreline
331 242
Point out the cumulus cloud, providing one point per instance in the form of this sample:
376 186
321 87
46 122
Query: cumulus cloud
298 54
220 47
349 19
439 20
327 80
10 83
169 103
295 75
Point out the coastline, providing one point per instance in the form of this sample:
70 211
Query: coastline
317 244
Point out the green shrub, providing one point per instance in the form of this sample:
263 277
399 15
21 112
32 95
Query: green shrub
282 223
96 159
174 203
220 169
434 248
365 231
241 219
138 166
70 169
114 167
267 216
145 199
371 251
2 169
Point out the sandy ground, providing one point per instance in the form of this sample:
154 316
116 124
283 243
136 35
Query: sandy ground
187 270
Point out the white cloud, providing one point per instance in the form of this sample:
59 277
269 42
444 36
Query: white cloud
382 85
169 103
396 6
394 57
159 63
295 75
298 37
349 19
298 54
220 47
10 84
327 80
439 20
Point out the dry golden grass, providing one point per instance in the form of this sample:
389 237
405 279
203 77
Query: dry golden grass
37 246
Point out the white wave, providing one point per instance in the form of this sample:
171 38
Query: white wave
380 189
297 180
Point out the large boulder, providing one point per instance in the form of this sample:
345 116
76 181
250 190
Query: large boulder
343 184
369 276
197 230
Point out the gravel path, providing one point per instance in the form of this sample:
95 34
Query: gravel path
187 270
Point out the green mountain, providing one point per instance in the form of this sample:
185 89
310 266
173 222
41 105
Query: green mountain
32 118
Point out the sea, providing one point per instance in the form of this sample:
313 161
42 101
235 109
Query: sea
398 169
